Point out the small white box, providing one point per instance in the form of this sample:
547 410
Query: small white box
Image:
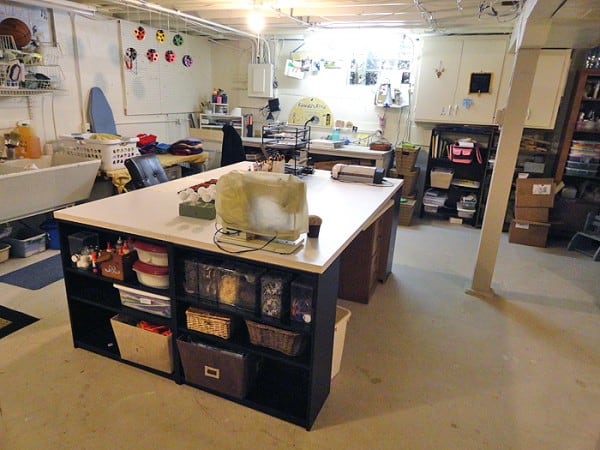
260 80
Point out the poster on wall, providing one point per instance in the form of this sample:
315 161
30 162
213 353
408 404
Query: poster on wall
159 70
306 108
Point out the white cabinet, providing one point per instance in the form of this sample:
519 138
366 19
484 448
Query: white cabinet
547 89
449 70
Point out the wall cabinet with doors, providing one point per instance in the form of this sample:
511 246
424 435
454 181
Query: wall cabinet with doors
547 90
578 160
454 187
459 79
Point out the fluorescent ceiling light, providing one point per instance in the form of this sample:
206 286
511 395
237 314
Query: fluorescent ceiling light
63 5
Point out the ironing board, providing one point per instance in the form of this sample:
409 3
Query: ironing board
99 113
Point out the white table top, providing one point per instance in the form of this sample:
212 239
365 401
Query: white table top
153 212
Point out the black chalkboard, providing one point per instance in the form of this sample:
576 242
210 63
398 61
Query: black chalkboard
480 83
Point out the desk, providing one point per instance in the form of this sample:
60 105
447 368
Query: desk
120 177
293 388
383 159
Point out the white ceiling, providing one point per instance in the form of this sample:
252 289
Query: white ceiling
575 21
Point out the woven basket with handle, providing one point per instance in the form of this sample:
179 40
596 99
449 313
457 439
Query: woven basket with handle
209 322
284 341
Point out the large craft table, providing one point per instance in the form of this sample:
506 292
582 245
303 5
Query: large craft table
293 388
120 177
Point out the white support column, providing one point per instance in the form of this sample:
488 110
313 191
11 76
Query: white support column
506 158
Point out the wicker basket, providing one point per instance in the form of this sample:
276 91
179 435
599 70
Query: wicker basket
380 146
407 209
410 182
406 157
209 322
284 341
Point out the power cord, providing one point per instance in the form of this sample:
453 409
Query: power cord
244 250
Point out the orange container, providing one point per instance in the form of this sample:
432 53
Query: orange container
30 143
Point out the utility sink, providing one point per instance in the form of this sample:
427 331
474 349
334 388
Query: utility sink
34 186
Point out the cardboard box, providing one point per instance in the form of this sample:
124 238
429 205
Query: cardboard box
535 192
528 233
141 346
532 214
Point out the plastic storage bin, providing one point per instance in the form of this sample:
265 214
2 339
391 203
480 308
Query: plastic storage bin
152 276
4 251
301 293
342 317
26 243
239 286
82 239
275 294
111 152
201 278
144 301
53 239
152 254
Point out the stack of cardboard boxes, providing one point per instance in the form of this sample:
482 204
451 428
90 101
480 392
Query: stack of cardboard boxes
534 198
406 157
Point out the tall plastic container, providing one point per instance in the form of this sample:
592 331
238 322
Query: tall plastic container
342 317
30 144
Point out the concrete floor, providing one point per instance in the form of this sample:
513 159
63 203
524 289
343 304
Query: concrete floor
425 366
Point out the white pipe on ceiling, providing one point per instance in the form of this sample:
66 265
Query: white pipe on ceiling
215 26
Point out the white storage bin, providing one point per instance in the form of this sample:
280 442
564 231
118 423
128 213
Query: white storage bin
144 301
112 152
342 316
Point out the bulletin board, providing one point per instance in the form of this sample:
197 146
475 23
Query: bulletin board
162 70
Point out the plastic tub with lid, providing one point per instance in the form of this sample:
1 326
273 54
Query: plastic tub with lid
152 276
152 253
